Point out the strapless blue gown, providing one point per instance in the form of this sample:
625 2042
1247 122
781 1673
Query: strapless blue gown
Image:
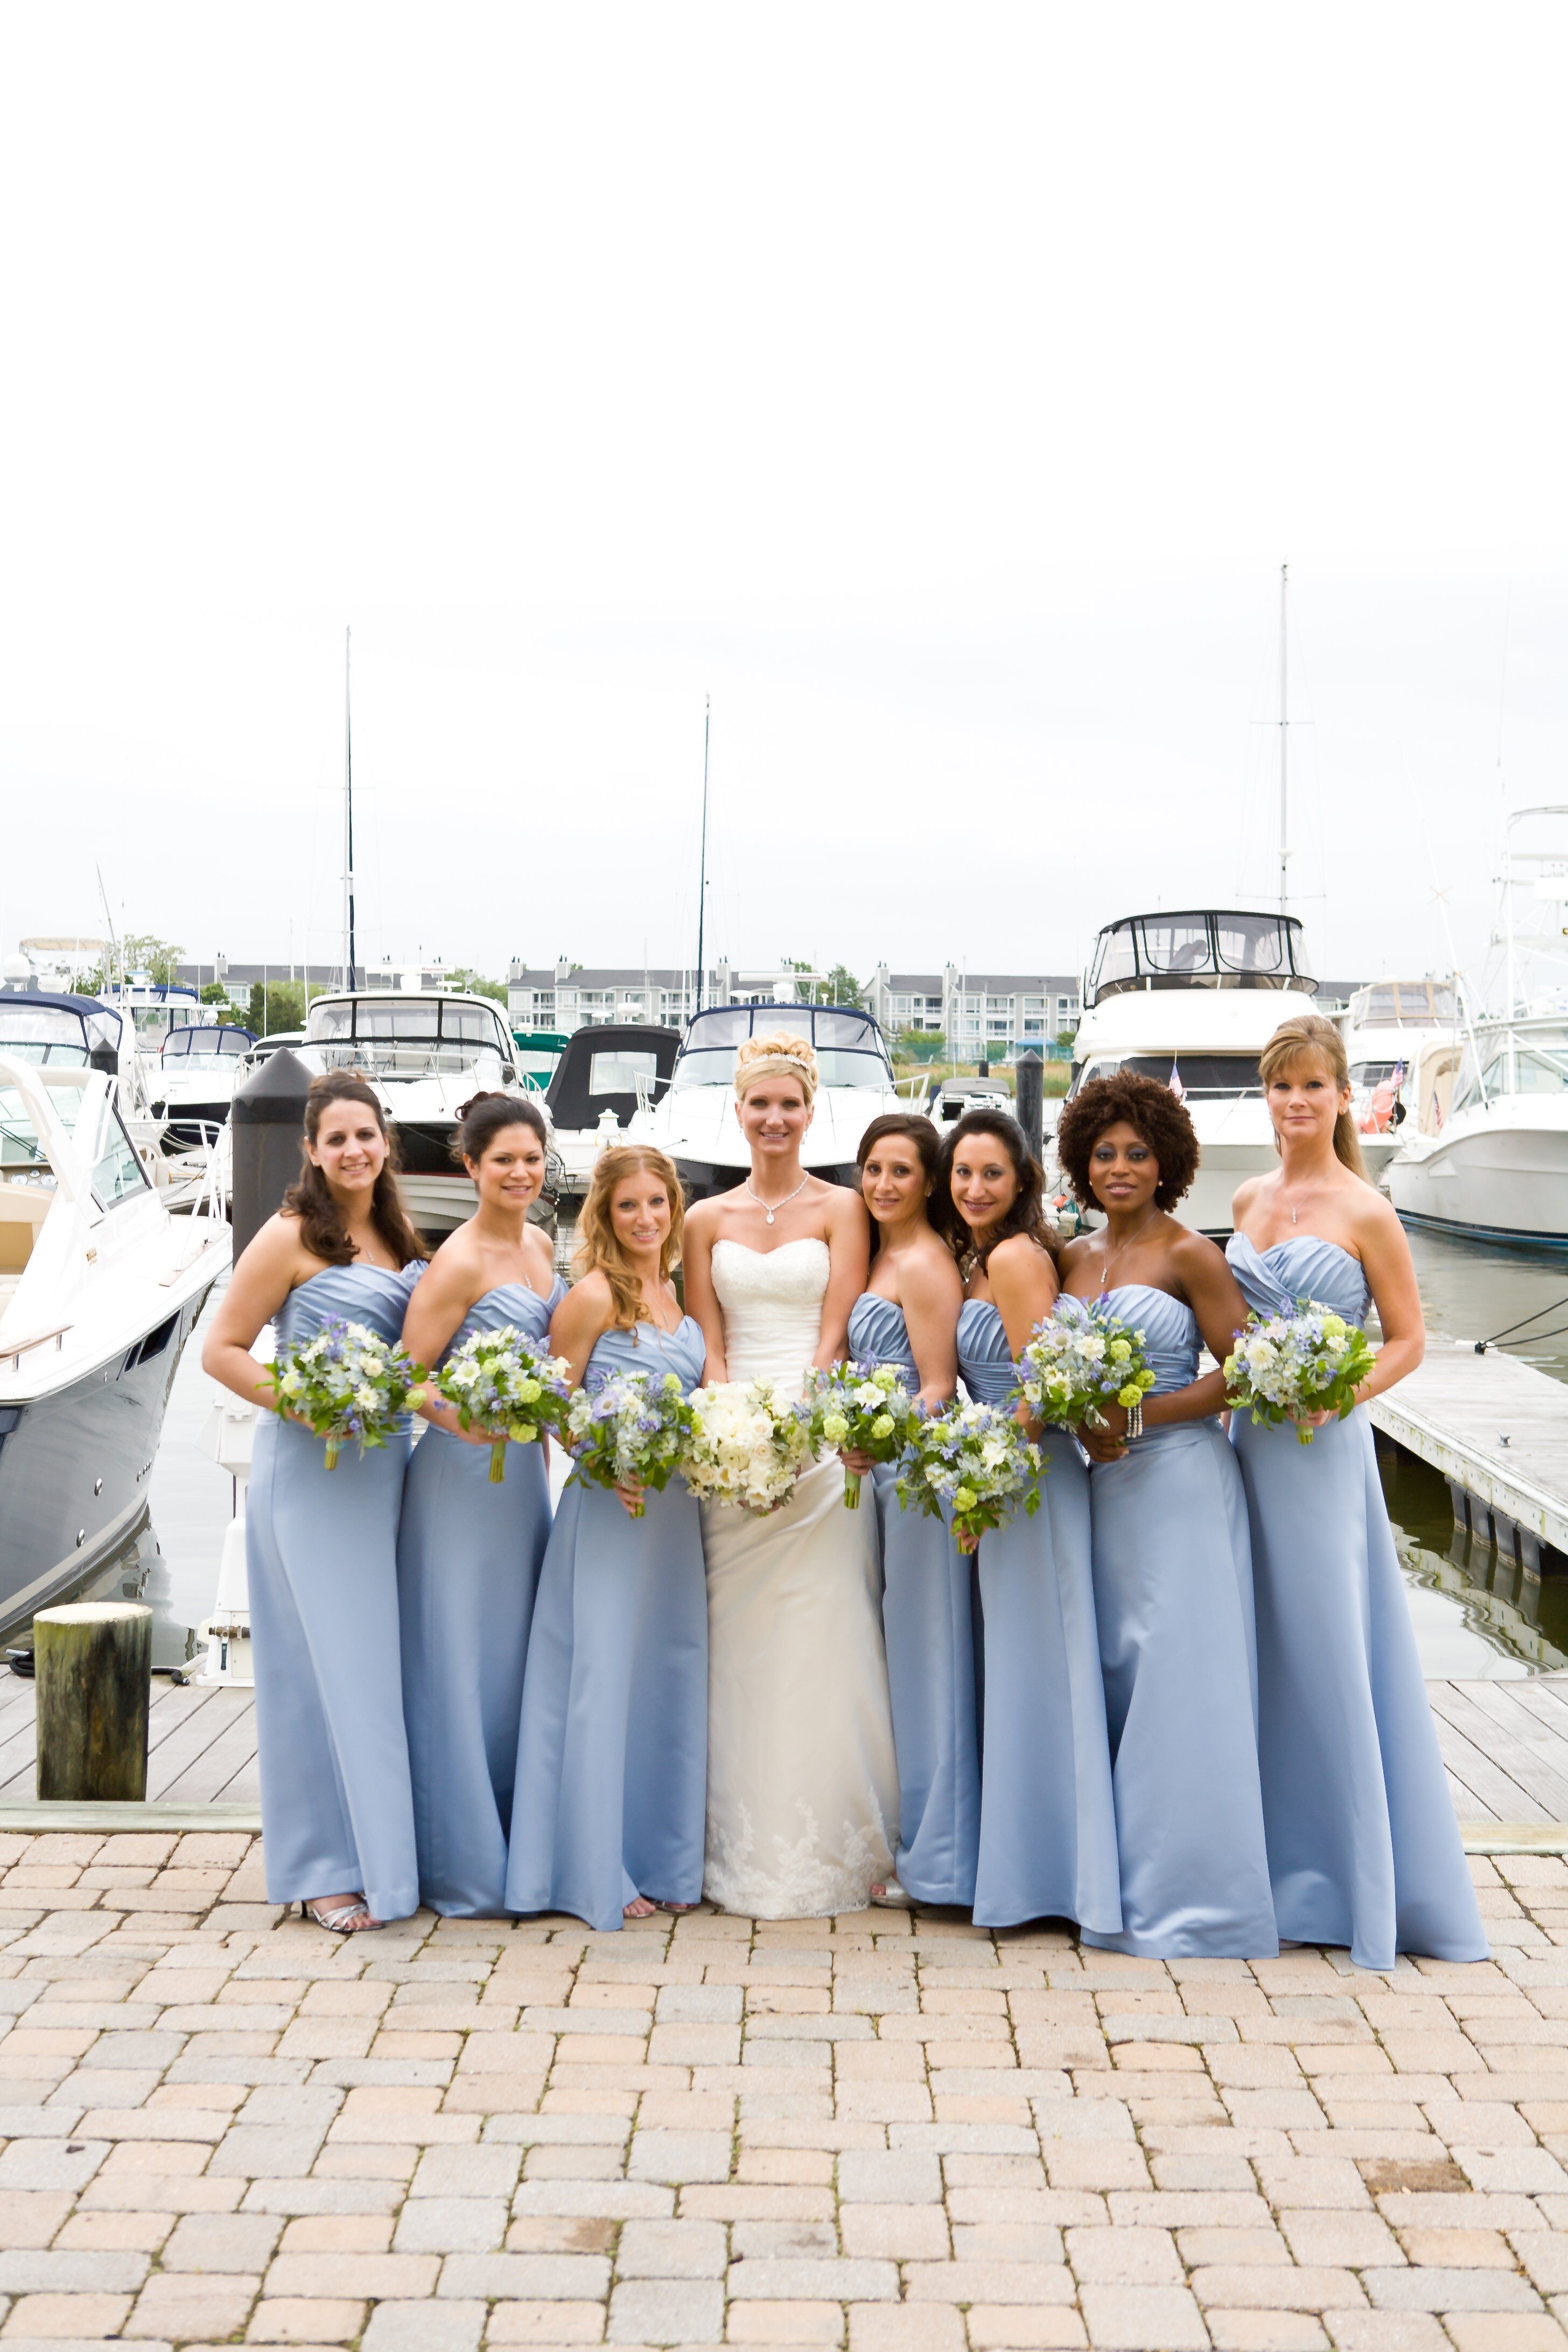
612 1759
467 1563
1048 1818
929 1621
320 1548
1362 1844
1173 1589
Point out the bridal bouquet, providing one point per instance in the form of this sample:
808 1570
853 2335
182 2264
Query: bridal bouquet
974 1459
347 1382
504 1382
864 1408
746 1446
1310 1361
630 1425
1081 1360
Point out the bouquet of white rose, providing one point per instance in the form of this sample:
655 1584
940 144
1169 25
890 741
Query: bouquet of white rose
346 1382
630 1425
505 1382
975 1459
1081 1360
746 1446
861 1408
1310 1361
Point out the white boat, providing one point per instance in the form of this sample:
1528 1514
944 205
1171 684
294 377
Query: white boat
1403 1042
99 1290
956 1097
1191 998
426 1052
606 1075
695 1121
191 1083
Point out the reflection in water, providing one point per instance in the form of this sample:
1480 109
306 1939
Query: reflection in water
1469 1291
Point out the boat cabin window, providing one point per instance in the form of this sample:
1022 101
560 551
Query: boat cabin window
204 1049
406 1033
117 1175
1180 945
1372 1074
1405 1004
1203 1076
617 1073
1197 948
52 1034
23 1158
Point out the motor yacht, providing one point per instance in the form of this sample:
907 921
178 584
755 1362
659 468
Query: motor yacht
192 1082
606 1075
425 1052
1191 998
1403 1043
695 1123
99 1290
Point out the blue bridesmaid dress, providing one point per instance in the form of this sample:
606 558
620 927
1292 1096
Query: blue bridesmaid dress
337 1809
1362 1842
467 1563
929 1622
1173 1590
1048 1819
612 1759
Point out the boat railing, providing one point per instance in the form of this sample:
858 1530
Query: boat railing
13 1350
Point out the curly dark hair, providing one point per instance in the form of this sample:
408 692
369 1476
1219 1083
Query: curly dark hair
1146 1104
1027 1214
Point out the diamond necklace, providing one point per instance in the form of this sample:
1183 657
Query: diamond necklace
787 1198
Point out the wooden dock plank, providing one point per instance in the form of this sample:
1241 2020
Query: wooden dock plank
1548 1705
1542 1726
244 1788
1508 1737
1467 1806
1495 1426
1496 1787
204 1780
188 1741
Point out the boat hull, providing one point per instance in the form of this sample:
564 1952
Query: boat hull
1500 1174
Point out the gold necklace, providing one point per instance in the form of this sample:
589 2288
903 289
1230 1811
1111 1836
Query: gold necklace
1112 1255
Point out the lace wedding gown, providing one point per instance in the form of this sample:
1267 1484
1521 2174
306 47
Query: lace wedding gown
802 1790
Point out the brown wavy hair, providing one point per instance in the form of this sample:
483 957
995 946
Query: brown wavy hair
1151 1109
1304 1033
916 1129
598 1246
321 1227
1027 1214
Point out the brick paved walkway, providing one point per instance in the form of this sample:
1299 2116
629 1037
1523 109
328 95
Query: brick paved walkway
876 2131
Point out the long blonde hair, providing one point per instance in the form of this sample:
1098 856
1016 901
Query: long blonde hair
1309 1032
598 1246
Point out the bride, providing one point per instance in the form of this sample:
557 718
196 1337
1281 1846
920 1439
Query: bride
801 1786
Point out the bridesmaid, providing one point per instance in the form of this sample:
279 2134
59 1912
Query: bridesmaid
1172 1568
322 1550
908 1316
468 1552
612 1765
1048 1820
1362 1844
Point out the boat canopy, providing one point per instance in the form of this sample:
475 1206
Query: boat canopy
1201 947
68 1032
224 1040
407 1032
1405 1004
850 1049
600 1068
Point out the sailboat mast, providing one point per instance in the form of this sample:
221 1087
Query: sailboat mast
349 957
1284 749
702 855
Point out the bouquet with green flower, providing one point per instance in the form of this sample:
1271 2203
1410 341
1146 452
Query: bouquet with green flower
860 1409
629 1427
1285 1366
507 1384
746 1446
345 1381
1081 1358
975 1460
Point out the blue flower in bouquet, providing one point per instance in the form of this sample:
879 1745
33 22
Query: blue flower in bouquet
345 1382
974 1460
1310 1360
860 1408
626 1427
508 1384
1081 1358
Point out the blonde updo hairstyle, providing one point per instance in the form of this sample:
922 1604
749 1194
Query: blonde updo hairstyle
779 1055
599 1247
1296 1041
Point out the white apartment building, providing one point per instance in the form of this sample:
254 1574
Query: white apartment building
564 997
983 1016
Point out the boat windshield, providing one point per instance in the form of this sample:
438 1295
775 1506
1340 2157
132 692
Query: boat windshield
411 1036
23 1156
1405 1004
849 1045
53 1033
1204 1076
206 1049
1512 1062
1198 949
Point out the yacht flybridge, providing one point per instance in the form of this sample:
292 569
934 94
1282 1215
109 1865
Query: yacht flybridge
695 1121
1191 998
1403 1042
99 1290
425 1052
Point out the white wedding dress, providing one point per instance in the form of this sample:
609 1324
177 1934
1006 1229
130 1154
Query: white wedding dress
802 1790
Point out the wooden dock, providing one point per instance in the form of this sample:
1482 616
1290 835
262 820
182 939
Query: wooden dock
1497 1430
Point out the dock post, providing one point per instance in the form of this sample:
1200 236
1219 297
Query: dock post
1461 1502
94 1666
1031 1078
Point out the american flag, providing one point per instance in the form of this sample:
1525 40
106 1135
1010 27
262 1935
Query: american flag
1178 1088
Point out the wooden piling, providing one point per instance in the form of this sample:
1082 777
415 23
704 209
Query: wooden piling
94 1665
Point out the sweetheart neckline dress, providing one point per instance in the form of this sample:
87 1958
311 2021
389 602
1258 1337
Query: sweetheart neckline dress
802 1781
337 1804
1172 1588
468 1556
1364 1844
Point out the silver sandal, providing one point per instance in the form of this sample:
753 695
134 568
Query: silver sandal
335 1921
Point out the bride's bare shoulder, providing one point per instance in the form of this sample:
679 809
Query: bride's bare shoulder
844 1211
701 1220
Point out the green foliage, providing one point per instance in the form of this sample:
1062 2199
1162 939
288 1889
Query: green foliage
470 981
159 959
920 1045
277 1005
840 987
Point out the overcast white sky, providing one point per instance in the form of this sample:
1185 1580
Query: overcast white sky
941 389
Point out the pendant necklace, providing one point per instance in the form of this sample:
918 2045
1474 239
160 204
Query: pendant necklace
787 1198
1112 1255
